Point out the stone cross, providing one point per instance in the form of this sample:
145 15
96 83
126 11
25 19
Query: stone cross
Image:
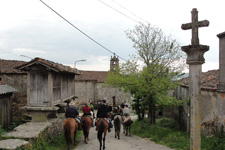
195 59
194 25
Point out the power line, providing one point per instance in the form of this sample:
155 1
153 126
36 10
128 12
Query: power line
129 11
80 30
118 11
9 52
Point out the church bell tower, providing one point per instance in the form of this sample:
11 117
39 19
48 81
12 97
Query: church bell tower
114 62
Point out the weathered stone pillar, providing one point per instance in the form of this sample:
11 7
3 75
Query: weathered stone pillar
195 60
221 85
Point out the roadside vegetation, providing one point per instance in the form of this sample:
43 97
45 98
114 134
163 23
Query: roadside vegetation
51 143
59 142
167 132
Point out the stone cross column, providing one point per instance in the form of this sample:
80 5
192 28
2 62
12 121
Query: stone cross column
221 85
195 60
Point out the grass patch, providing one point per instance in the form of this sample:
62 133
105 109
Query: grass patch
59 143
166 132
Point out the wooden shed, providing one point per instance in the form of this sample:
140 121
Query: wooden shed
6 110
48 84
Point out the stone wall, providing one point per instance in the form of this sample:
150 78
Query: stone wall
212 114
19 82
86 90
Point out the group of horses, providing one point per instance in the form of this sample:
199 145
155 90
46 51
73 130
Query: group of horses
71 125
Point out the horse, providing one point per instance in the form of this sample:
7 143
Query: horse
86 125
127 125
70 127
117 125
102 127
110 114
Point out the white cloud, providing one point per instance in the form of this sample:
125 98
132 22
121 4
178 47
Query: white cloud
21 50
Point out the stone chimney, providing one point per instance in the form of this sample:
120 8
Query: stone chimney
221 85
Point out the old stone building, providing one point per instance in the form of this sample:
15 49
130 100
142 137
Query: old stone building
90 86
17 79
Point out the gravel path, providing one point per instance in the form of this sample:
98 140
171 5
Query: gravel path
125 143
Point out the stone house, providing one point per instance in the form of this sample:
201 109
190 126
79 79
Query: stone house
17 79
90 86
212 97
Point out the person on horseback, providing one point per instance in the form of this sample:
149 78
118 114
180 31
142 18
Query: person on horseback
103 113
87 111
92 109
72 112
126 111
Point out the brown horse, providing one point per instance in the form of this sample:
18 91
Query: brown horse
117 125
70 129
102 127
127 124
86 125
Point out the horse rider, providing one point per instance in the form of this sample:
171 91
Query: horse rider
72 112
92 109
122 105
103 113
115 110
87 111
126 113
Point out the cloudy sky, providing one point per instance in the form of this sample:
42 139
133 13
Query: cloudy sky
29 28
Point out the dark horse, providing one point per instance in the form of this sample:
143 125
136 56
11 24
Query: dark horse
127 124
86 125
70 129
117 125
102 127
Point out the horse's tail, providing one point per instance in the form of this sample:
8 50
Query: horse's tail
84 125
117 123
67 133
101 129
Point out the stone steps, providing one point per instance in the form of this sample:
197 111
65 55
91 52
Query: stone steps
12 144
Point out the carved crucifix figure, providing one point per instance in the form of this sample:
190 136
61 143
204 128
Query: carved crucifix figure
194 25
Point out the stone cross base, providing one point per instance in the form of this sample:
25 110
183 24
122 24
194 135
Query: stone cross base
195 53
40 114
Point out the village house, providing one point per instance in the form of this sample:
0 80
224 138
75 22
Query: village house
17 79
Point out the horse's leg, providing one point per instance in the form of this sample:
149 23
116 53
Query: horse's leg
104 141
75 133
126 128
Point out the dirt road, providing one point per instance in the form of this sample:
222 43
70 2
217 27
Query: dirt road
125 143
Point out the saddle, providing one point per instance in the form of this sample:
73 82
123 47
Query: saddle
77 120
102 118
126 118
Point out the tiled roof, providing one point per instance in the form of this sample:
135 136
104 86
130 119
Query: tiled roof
4 89
8 66
48 64
209 80
98 76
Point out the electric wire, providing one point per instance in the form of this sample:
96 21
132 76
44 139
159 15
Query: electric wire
81 31
119 11
129 11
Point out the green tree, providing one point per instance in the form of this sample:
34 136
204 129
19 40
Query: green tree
161 59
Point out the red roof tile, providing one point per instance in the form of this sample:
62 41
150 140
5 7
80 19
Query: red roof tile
52 65
209 80
98 76
8 66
